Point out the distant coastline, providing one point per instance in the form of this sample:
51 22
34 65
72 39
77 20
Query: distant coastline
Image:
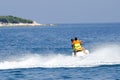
16 21
21 24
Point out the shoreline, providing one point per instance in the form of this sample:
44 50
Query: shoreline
21 24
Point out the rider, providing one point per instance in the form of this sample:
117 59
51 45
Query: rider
72 40
77 45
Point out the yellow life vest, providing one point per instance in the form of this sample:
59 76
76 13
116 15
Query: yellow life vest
77 46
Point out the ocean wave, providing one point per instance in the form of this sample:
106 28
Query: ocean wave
105 55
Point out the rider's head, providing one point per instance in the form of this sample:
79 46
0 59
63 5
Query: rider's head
72 40
76 38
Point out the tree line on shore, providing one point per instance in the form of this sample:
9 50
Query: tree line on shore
13 19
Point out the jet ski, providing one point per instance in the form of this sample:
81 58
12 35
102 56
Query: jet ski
81 53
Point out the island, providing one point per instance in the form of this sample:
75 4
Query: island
16 21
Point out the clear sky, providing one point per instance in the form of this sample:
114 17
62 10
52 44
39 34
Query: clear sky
63 11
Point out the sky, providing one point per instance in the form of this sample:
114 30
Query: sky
63 11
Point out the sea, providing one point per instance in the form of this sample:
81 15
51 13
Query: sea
45 53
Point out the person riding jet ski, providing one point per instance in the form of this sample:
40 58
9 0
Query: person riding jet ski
77 45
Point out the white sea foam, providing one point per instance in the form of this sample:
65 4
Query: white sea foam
105 55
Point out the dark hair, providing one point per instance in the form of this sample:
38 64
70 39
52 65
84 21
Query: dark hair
76 38
72 39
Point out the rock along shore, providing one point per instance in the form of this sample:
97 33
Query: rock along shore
21 24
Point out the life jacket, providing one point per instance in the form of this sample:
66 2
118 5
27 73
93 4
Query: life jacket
77 45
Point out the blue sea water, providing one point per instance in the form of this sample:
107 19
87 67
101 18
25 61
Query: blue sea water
44 53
